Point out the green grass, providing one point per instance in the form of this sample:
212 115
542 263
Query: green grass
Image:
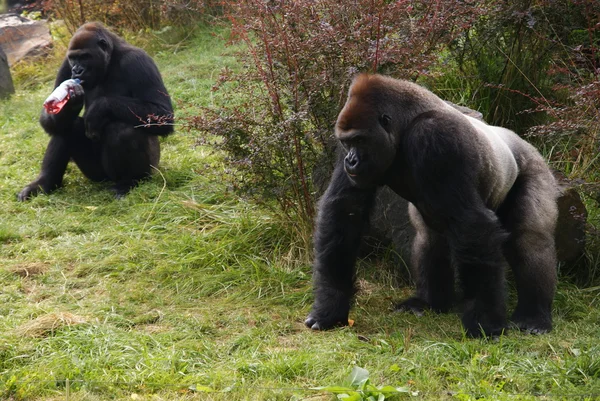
183 291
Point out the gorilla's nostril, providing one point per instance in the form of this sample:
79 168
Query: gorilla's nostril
351 160
351 165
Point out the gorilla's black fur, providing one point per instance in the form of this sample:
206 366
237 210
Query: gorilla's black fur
126 107
480 198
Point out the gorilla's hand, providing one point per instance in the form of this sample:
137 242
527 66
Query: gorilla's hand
76 93
315 323
35 187
75 103
480 320
328 312
29 191
96 118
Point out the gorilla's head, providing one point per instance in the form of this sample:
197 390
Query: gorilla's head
89 54
365 130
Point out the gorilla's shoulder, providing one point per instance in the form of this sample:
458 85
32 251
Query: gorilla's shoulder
132 56
439 120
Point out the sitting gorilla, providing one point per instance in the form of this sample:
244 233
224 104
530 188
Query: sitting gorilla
480 197
126 107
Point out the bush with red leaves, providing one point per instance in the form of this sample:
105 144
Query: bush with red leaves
298 59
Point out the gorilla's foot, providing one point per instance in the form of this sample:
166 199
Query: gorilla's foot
122 188
532 324
414 304
119 192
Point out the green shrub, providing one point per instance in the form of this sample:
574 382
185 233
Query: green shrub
133 15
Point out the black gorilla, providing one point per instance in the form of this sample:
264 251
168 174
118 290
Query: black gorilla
126 107
480 197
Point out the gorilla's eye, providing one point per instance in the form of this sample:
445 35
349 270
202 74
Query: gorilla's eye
103 44
385 120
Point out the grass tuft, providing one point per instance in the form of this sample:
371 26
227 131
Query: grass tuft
46 325
30 269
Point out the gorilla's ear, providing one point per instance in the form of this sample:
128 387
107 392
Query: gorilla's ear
385 121
103 43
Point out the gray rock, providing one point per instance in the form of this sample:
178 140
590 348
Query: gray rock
21 37
6 84
570 228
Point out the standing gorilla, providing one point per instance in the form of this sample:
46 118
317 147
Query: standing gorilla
126 107
479 197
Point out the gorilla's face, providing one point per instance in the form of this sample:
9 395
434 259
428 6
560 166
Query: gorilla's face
365 135
369 151
88 57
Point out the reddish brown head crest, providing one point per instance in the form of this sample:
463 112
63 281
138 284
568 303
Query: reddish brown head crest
360 84
86 36
359 111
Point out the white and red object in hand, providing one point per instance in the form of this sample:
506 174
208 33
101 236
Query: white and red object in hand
60 96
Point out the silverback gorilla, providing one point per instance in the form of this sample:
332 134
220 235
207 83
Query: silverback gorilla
126 107
480 198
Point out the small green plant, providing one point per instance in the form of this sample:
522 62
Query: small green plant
360 388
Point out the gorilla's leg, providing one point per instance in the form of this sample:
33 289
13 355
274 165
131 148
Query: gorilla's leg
343 212
529 213
430 261
476 242
128 156
86 153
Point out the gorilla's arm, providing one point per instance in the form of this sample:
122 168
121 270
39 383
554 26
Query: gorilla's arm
62 123
60 128
148 107
343 212
54 165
